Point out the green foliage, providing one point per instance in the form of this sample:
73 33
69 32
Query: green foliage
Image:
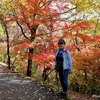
1 31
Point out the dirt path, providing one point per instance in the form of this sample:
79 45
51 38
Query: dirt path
15 87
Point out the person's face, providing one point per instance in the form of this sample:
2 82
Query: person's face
61 46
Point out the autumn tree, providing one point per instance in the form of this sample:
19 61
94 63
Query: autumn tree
29 15
86 35
3 13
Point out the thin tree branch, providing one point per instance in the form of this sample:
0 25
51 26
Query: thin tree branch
20 25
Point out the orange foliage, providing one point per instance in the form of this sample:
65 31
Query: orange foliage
89 61
84 38
82 25
36 12
46 59
23 69
23 46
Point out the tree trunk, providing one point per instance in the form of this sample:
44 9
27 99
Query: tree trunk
29 67
31 50
8 51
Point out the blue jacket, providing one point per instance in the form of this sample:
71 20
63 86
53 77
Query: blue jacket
67 60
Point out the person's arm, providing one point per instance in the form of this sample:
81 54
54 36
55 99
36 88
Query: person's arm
55 65
69 61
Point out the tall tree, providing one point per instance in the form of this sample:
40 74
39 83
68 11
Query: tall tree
32 14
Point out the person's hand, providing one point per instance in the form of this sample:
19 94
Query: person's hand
70 72
56 69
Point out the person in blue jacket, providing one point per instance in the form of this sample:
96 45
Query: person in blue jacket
63 64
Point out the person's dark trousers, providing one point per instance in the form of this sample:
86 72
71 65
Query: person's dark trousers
63 75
